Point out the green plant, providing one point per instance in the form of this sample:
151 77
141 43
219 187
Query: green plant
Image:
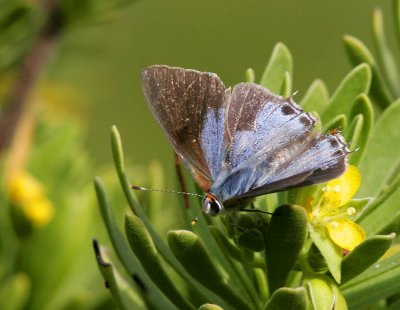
47 216
47 210
268 262
297 258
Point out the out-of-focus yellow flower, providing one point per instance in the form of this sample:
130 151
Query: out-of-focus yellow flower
330 210
28 194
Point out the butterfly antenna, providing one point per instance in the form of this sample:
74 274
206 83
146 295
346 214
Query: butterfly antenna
140 188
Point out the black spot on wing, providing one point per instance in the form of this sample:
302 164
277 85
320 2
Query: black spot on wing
288 109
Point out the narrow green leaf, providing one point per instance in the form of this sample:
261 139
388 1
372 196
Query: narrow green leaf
315 260
228 247
286 90
381 215
128 260
316 98
210 307
362 106
237 275
340 301
386 58
250 76
338 122
392 227
288 298
359 54
143 247
364 255
271 202
232 250
357 51
377 282
120 245
123 294
354 133
284 240
381 204
355 83
321 292
190 251
117 150
396 13
262 285
330 251
279 63
380 157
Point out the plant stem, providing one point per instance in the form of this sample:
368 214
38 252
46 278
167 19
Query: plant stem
32 65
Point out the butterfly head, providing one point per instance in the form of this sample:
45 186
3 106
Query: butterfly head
212 205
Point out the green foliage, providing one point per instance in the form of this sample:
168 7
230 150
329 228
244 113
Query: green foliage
283 261
19 23
49 266
328 250
89 11
287 234
365 255
286 278
385 68
274 76
288 298
22 22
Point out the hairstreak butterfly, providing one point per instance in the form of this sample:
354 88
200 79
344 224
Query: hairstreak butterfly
239 142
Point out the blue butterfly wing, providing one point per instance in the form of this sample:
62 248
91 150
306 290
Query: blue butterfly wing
270 146
325 159
188 105
259 122
243 142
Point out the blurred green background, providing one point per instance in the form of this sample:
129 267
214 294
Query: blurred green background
103 62
94 73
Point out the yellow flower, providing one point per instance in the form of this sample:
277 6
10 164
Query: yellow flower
330 210
39 211
22 188
28 194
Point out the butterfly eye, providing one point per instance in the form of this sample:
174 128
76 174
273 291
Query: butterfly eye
212 206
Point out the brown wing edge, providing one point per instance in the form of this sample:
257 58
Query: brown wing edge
178 99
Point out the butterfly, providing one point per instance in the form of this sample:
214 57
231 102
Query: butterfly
239 142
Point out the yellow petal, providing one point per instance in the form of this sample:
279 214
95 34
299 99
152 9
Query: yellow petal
339 191
22 188
345 233
39 212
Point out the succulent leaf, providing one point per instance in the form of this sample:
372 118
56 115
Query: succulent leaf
279 63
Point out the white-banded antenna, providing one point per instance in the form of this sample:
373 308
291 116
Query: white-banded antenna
140 188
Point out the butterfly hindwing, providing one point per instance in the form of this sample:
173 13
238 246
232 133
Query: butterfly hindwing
325 159
263 132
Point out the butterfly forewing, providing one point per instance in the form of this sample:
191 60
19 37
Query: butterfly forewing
188 106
